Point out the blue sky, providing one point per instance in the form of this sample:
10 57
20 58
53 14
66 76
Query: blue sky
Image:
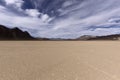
62 18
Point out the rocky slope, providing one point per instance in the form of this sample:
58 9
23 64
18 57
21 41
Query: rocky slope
14 34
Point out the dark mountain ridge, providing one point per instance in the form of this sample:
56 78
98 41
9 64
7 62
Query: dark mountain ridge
17 34
14 34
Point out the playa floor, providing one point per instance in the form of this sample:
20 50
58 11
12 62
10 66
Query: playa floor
59 60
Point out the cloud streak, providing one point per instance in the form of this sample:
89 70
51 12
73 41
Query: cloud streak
74 19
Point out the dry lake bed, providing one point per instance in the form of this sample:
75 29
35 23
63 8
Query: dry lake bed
59 60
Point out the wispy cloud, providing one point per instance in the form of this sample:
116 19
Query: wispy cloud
76 18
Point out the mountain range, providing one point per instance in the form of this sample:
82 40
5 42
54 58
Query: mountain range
17 34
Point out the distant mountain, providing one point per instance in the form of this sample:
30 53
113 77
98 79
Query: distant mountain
14 34
86 38
89 37
108 37
17 34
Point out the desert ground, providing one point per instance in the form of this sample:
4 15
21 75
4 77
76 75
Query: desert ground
59 60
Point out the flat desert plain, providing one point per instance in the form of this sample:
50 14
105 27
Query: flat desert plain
59 60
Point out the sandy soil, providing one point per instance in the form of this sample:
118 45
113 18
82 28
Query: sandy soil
66 60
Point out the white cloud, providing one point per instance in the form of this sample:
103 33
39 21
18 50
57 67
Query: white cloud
45 17
32 12
90 17
36 14
67 3
17 3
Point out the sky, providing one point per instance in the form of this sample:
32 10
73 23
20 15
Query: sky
62 18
